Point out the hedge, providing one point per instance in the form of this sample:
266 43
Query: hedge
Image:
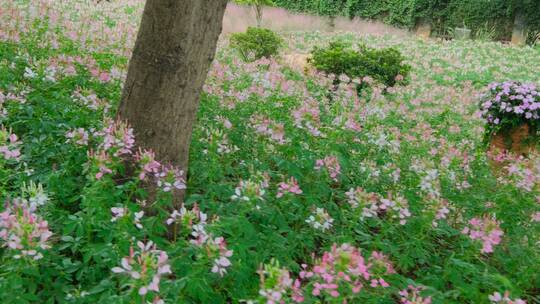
443 14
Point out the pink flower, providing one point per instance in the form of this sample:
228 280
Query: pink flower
94 72
118 213
9 144
104 77
118 138
270 128
221 262
170 178
193 219
226 123
147 163
102 171
144 267
24 233
331 164
291 186
411 295
79 136
496 297
340 273
308 117
485 229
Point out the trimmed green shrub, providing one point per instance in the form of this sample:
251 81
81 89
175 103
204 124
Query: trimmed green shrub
256 43
383 65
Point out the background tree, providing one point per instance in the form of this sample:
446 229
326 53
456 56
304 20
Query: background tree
258 5
175 46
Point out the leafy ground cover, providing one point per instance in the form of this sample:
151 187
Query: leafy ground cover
297 191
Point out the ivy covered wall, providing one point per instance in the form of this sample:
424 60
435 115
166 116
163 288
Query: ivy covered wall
442 14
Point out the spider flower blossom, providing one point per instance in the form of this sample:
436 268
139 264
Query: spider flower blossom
29 74
535 217
78 136
171 178
380 265
24 232
89 100
291 186
308 117
145 267
411 295
358 198
118 138
102 161
226 123
122 212
343 271
331 164
218 250
487 230
36 194
218 141
194 220
348 122
147 163
248 191
320 220
504 299
374 206
267 127
9 144
524 174
118 213
337 277
275 283
441 209
398 207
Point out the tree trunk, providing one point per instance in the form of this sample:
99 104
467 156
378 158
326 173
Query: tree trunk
259 14
175 46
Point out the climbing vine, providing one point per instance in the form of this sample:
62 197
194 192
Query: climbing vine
442 14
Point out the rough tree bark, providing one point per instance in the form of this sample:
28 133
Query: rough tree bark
174 48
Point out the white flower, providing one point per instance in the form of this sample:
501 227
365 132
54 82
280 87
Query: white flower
118 212
320 220
138 217
28 73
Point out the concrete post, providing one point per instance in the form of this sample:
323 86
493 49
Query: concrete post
519 33
423 29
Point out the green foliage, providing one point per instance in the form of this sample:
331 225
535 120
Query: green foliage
534 38
486 33
443 14
384 65
256 43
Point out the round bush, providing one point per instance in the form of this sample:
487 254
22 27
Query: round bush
256 43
